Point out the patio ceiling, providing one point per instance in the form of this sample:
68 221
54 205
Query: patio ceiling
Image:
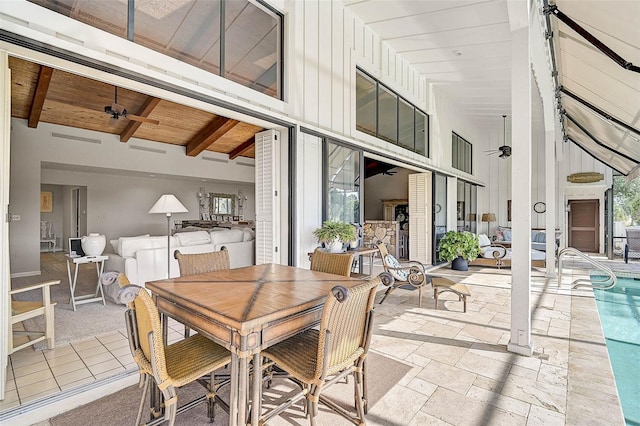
464 48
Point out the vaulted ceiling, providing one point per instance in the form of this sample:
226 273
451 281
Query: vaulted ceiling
42 94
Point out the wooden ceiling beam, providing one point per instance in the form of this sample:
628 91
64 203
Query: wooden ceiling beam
144 111
40 94
242 147
217 128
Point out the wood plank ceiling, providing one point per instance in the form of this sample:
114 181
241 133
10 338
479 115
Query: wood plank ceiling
43 94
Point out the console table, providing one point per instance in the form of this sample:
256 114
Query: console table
98 296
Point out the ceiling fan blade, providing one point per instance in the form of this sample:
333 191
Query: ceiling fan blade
118 109
142 119
113 120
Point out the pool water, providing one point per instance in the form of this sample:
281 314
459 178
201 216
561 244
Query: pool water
619 310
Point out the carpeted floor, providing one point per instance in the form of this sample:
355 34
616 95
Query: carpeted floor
121 408
89 319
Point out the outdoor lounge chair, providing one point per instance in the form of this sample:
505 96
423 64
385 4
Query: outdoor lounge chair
632 248
405 273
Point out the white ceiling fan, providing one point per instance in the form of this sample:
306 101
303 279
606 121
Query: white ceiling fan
116 111
504 150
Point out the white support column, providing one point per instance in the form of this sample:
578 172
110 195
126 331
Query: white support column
550 199
5 279
521 97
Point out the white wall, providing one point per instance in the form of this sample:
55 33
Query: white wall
384 187
118 196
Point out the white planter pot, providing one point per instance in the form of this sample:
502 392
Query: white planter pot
93 244
334 247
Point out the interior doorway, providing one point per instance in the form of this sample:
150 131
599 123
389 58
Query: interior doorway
584 225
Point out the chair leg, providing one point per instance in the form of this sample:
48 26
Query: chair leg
386 293
211 401
144 384
363 380
170 405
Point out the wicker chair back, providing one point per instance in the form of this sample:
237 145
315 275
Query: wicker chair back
200 263
344 328
332 263
148 321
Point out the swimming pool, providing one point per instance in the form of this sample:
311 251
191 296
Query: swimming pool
619 310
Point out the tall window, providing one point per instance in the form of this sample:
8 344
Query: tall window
467 202
461 151
383 113
439 212
342 171
236 39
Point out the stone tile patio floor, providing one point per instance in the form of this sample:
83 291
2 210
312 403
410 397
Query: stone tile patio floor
462 373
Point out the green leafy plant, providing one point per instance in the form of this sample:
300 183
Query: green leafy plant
454 244
330 231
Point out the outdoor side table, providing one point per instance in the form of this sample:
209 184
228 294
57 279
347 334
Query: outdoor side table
98 296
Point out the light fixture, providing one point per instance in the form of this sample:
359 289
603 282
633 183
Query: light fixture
488 217
167 204
506 149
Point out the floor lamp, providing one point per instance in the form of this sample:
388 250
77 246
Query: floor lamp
167 204
488 217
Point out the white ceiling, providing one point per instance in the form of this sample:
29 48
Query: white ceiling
465 48
462 46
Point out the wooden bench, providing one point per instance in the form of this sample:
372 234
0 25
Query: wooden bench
441 285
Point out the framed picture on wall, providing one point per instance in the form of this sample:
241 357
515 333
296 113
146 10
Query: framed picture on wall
46 202
460 210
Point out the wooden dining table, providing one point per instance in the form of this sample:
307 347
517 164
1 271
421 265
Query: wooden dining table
247 310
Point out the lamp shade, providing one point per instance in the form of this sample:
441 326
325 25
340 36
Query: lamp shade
488 217
168 203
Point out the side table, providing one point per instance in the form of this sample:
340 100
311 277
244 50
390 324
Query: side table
87 298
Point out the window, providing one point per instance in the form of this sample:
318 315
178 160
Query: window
382 113
461 151
467 201
342 168
248 51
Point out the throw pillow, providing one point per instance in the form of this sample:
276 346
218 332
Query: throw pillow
507 235
541 237
399 275
484 240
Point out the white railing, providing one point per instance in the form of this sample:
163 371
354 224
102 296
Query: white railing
605 284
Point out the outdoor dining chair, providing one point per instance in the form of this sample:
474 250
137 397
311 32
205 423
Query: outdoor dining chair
200 263
169 367
332 263
317 358
404 273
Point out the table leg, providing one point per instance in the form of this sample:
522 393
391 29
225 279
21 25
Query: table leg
100 270
256 403
72 284
233 396
243 382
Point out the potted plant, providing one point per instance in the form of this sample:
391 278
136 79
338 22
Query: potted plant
334 234
459 248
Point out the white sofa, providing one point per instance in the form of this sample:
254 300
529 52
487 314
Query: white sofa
144 258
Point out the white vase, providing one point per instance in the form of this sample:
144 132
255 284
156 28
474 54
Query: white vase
334 247
93 244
